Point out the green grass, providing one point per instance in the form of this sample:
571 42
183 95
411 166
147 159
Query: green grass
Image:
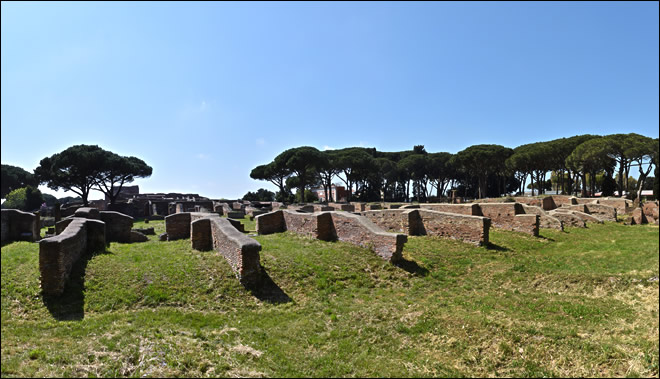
579 303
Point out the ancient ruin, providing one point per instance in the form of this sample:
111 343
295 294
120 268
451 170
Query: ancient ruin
19 226
210 231
425 222
58 254
329 226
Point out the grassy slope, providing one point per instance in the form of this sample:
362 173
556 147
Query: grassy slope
578 303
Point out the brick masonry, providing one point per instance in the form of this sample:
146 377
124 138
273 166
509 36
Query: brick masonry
464 209
546 221
568 218
511 216
58 254
341 226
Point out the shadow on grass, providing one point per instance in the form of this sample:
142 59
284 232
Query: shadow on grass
492 246
412 267
267 290
70 306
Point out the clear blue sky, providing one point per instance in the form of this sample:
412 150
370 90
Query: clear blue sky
204 92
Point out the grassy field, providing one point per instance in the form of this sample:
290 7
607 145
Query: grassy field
578 303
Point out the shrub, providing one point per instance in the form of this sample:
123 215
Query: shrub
26 199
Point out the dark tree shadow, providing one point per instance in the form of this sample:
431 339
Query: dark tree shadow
412 267
492 246
70 306
267 290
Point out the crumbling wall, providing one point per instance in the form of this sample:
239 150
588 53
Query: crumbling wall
392 220
650 210
214 232
471 229
327 226
58 254
598 211
360 231
561 200
19 226
117 226
464 209
546 203
511 216
546 221
583 216
568 218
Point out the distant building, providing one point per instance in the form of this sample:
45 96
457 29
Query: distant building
338 193
126 192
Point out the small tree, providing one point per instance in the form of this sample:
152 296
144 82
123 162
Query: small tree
26 199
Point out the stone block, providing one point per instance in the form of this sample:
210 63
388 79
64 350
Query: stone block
650 210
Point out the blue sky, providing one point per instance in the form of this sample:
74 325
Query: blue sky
204 92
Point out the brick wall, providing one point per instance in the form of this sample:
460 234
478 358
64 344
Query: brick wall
546 221
117 226
622 206
464 209
58 254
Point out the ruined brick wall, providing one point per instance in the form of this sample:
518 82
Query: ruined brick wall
561 200
177 226
528 224
19 226
390 220
471 229
58 254
360 231
117 226
623 206
568 218
200 234
240 251
586 200
546 221
464 209
650 210
315 225
511 216
269 223
546 203
583 216
359 206
602 211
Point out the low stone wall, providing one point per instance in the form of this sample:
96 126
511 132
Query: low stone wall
511 216
359 206
471 229
397 221
117 226
328 226
315 225
19 226
561 200
583 216
602 211
58 254
546 203
360 231
568 218
586 200
545 220
650 210
623 206
464 209
177 226
214 232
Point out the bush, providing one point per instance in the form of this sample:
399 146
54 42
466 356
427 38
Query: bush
25 199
